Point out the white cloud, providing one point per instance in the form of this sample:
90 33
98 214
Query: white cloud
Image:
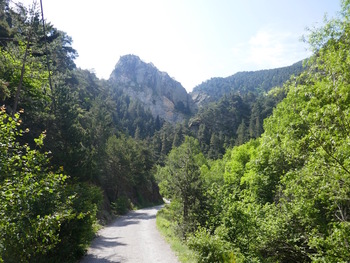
270 49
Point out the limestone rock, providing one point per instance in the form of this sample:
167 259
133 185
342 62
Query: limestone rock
156 90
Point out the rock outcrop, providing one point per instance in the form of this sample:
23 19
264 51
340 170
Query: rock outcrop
156 90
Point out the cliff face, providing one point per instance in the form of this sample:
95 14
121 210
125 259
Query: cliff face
156 90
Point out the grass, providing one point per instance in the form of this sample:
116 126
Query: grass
166 228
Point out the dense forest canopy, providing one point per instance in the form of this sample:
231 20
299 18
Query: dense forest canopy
282 196
73 148
260 174
258 82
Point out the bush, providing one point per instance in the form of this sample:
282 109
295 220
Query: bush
211 248
42 217
34 203
122 205
76 234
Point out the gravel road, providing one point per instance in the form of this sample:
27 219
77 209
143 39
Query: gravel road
131 238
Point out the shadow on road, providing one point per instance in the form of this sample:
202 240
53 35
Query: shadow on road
106 242
104 249
91 259
134 217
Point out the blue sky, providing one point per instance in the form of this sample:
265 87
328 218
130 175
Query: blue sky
191 40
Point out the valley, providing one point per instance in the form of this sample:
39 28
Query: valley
256 164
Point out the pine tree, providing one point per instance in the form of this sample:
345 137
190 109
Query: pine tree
242 134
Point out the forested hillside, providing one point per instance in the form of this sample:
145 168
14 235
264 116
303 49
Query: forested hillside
233 120
72 148
283 196
259 173
257 82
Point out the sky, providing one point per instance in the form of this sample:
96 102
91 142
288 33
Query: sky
191 40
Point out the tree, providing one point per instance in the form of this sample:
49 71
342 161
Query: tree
203 137
180 180
215 146
33 201
286 195
255 124
242 134
178 136
4 20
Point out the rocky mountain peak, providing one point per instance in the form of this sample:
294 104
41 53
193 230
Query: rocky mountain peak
156 90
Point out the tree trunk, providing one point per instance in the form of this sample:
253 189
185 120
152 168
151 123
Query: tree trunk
21 79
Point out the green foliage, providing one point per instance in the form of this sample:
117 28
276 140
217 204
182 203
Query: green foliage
121 206
47 216
129 115
168 228
233 120
211 248
42 217
281 197
76 234
180 180
285 196
128 166
34 92
34 203
257 82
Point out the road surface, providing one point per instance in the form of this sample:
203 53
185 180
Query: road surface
132 238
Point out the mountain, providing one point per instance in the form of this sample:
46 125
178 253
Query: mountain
243 82
156 90
167 99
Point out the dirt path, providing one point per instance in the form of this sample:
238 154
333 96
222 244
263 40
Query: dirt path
131 238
